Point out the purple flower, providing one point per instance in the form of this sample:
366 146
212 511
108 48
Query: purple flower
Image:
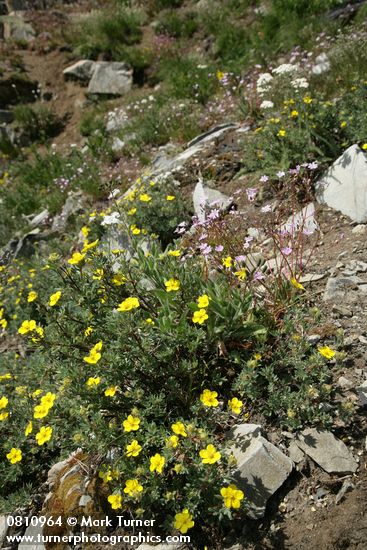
203 236
205 249
214 214
313 166
251 193
258 276
280 174
219 248
264 179
240 258
286 251
246 244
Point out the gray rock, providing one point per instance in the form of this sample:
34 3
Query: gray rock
304 220
205 198
195 146
261 469
345 383
6 117
312 277
81 70
295 453
338 287
32 531
359 229
327 451
110 78
3 531
362 393
354 267
116 120
84 500
39 219
73 204
15 28
344 186
117 145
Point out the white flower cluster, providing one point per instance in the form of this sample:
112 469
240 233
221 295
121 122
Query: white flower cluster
265 81
266 104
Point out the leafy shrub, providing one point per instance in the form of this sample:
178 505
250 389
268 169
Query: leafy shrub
178 26
36 123
108 32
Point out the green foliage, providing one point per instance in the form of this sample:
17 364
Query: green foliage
36 123
107 32
177 25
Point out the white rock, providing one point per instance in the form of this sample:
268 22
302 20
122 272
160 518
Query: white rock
304 220
81 70
205 198
362 392
32 531
327 451
117 145
3 530
344 186
359 229
111 78
261 470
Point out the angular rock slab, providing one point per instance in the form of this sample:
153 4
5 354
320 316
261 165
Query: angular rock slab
205 198
344 186
111 78
261 469
327 451
362 393
81 70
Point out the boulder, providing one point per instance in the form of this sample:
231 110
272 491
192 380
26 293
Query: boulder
15 28
261 467
205 198
35 531
362 392
110 78
3 530
339 288
344 186
81 70
327 451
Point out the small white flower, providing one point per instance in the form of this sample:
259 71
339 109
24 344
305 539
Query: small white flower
286 68
299 83
266 104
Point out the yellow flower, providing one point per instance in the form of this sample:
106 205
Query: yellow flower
133 449
200 316
29 428
232 496
235 405
174 253
21 390
326 352
307 100
131 424
172 441
296 284
87 246
135 230
172 284
364 147
294 113
3 416
14 455
227 262
183 521
48 399
150 321
132 211
203 301
219 75
178 468
209 398
94 354
76 258
32 296
40 411
281 133
85 231
115 501
4 402
133 487
128 304
93 381
88 331
6 376
27 326
210 455
157 463
343 124
170 198
44 435
179 429
54 298
110 391
144 197
241 274
118 279
98 274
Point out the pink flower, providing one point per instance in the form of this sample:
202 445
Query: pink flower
251 193
286 251
258 276
264 179
219 248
